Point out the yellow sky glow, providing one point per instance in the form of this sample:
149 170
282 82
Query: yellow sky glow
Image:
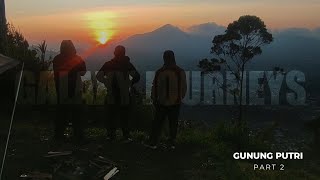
102 25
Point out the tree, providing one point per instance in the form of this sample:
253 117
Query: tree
13 44
17 47
232 51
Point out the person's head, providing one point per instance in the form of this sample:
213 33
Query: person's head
67 48
169 58
120 51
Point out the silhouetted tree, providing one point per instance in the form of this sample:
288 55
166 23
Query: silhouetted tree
13 44
17 47
240 43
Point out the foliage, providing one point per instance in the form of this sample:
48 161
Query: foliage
42 50
139 136
93 92
94 133
195 137
16 46
241 42
216 146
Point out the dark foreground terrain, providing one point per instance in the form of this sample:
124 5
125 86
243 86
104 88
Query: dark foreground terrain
204 149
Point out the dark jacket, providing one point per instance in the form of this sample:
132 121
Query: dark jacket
115 74
169 85
71 67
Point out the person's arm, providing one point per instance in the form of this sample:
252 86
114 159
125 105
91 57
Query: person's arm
153 96
101 74
154 92
82 68
78 66
183 84
57 69
134 74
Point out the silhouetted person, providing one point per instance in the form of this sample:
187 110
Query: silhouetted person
68 67
168 90
118 75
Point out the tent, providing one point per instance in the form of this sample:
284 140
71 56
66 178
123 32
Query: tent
7 63
7 81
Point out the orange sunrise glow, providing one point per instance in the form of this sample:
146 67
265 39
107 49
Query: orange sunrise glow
102 26
98 22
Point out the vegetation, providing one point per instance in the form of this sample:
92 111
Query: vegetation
16 46
233 50
219 143
208 150
42 50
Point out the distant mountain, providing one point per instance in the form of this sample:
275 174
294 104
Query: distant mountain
206 29
168 29
315 33
294 48
165 37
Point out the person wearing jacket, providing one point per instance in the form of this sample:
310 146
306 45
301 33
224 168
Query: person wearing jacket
118 75
68 67
168 90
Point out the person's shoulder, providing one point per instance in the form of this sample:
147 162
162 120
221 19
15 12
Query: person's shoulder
127 58
78 58
109 62
58 60
160 70
57 57
107 65
178 68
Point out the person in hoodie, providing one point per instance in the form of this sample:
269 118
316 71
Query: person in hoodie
118 75
68 67
168 90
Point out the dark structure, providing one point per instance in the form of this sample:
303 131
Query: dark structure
3 12
7 63
8 70
3 24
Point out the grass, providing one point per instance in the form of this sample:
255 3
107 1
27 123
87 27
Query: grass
218 145
202 153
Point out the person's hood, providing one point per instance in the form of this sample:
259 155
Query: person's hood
67 48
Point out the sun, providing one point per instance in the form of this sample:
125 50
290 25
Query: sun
102 26
102 38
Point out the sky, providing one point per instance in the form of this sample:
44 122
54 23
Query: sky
98 21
